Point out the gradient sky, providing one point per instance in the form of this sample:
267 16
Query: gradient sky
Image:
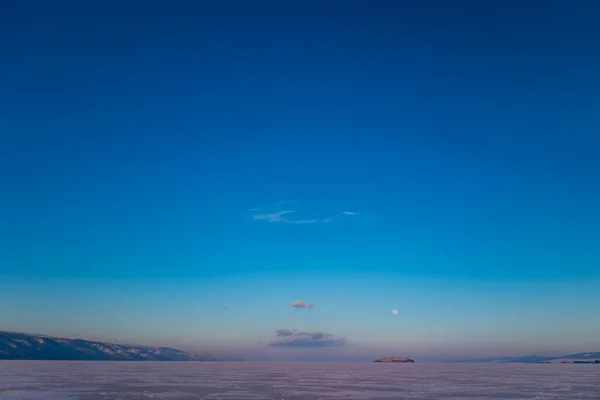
162 160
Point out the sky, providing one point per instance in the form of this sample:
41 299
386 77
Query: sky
269 180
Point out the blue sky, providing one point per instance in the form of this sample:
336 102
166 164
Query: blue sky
161 161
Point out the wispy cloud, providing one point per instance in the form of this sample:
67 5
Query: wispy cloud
294 338
274 213
271 217
283 217
301 304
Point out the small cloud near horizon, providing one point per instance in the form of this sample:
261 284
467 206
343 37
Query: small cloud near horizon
301 304
294 338
285 332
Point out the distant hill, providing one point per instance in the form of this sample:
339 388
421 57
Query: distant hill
23 346
568 359
394 360
520 359
584 356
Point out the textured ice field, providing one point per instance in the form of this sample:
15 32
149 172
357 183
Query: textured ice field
48 380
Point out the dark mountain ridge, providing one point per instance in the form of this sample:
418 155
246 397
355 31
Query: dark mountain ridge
394 360
23 346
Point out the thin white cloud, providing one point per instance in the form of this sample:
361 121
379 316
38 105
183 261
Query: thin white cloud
284 215
272 217
281 216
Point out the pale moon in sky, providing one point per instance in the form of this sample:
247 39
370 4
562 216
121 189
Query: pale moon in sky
395 312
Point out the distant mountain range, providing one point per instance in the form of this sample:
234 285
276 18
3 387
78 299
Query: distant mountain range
578 358
23 346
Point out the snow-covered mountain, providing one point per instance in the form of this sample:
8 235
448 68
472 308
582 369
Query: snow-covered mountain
23 346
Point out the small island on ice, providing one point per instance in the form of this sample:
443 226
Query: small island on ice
394 360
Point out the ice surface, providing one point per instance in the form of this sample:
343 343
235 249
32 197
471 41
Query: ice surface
98 380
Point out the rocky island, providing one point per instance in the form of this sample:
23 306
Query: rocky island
394 360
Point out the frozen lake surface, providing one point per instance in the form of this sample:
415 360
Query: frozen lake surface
68 380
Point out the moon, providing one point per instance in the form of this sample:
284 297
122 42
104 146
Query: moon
395 312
